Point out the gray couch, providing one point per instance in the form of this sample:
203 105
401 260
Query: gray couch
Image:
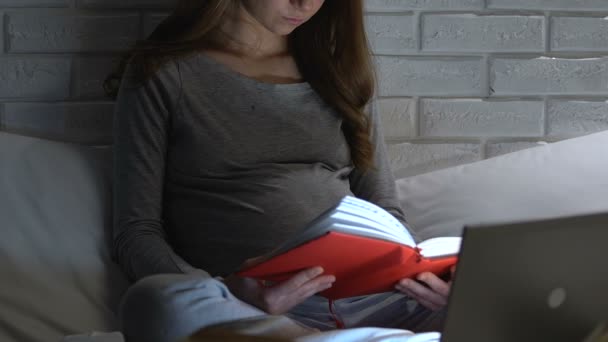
57 277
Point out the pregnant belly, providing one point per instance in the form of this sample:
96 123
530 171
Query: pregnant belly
215 224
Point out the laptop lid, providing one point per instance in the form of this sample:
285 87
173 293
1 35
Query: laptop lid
531 281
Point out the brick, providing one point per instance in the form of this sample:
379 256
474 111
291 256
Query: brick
408 76
477 118
549 76
467 32
35 77
391 34
400 5
542 5
91 73
398 117
34 3
579 34
89 123
572 118
500 148
68 32
127 3
409 159
151 21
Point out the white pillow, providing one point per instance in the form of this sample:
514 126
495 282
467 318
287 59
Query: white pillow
569 177
56 274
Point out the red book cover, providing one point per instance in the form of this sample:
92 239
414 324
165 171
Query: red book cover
361 265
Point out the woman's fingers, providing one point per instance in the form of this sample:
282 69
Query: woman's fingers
422 295
303 277
284 296
435 283
433 295
307 280
421 301
307 291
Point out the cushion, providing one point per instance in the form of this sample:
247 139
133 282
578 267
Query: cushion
569 177
56 271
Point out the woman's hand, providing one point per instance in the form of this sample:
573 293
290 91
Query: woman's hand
280 297
429 290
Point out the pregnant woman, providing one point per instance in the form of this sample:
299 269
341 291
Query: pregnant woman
237 122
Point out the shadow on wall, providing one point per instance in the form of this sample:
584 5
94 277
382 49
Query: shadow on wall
57 58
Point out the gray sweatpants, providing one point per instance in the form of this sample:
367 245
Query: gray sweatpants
169 307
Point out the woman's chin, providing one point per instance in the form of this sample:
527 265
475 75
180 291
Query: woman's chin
284 31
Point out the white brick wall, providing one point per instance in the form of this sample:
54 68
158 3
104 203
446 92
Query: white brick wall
409 159
482 33
579 34
459 80
553 5
53 31
440 76
483 78
54 55
474 118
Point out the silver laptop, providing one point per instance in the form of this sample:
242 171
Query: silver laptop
531 281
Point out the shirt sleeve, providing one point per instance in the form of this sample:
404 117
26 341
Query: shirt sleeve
377 185
142 117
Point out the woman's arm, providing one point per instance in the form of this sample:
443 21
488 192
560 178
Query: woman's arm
377 185
141 120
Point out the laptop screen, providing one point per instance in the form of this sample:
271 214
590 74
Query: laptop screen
544 280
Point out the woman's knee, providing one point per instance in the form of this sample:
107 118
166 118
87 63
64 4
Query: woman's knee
153 308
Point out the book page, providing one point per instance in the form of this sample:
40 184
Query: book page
440 246
346 223
388 223
371 211
356 211
351 215
362 231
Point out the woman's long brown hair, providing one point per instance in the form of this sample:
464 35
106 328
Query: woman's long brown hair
330 50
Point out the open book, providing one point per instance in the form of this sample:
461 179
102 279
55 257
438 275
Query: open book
366 248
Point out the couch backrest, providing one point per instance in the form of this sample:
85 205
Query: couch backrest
569 177
57 277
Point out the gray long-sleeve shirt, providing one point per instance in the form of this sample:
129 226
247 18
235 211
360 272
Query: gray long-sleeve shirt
213 167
